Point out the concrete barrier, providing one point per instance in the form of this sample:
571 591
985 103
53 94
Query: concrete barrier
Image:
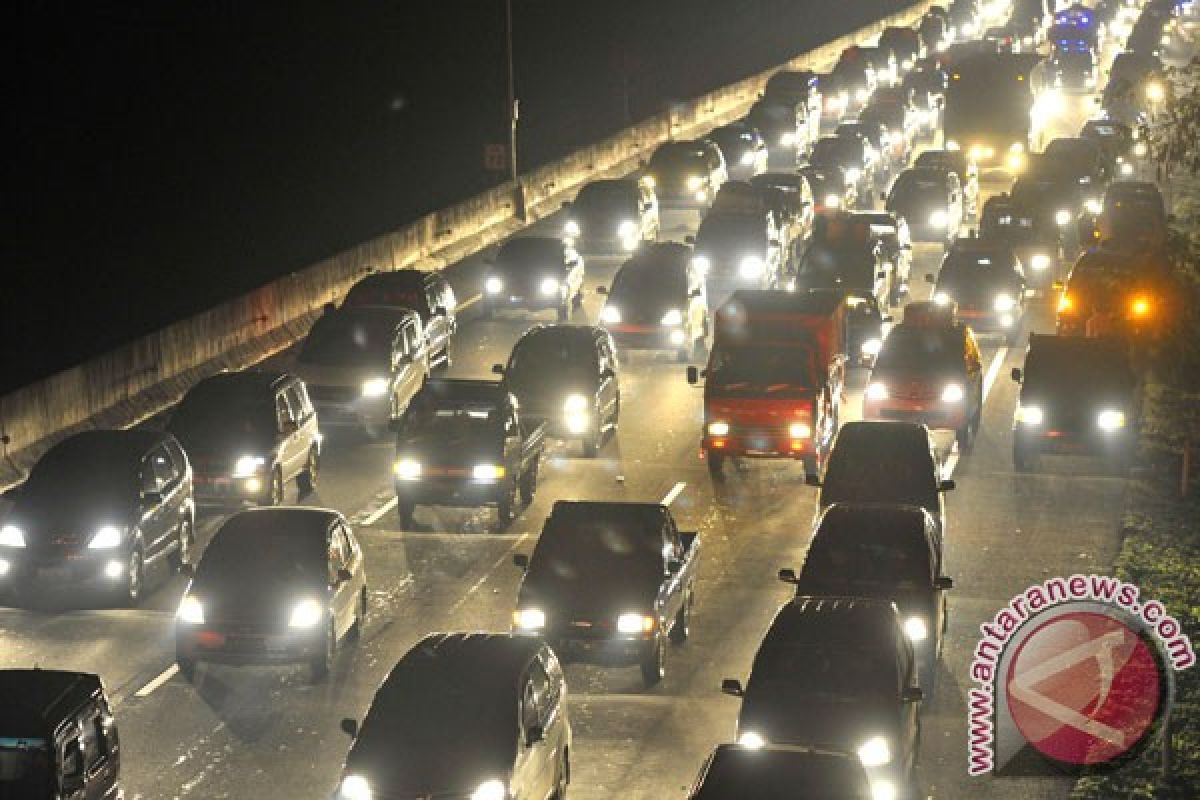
129 383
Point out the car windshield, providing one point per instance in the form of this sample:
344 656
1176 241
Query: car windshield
836 151
880 476
597 552
1078 366
276 556
530 252
829 671
75 474
764 367
910 188
732 140
203 414
976 270
908 348
606 199
676 160
448 423
736 228
837 564
547 357
26 768
1006 223
348 341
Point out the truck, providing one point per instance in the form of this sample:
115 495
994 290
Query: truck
775 377
464 443
989 108
609 583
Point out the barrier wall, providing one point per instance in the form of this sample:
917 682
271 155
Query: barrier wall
137 379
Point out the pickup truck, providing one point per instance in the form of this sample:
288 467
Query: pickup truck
609 583
463 443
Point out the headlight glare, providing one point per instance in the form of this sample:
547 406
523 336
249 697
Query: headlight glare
941 298
105 538
306 614
610 315
1003 302
487 473
1093 205
752 740
375 387
1030 415
355 787
627 229
12 536
939 218
493 285
1062 217
701 264
575 404
694 182
853 174
635 623
915 629
407 469
490 790
799 430
529 619
549 286
1110 420
875 752
871 347
718 428
246 466
953 393
191 611
1040 261
833 201
751 267
571 228
673 317
877 391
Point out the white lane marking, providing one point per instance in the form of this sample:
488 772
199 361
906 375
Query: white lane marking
378 513
488 573
676 490
470 301
989 380
167 674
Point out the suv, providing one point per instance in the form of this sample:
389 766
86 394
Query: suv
441 724
687 173
534 273
612 216
58 738
249 434
427 293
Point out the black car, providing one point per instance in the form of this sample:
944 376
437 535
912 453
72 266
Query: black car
466 443
783 127
848 267
802 90
427 293
612 216
1086 162
609 583
927 82
1115 140
1050 192
792 198
851 155
464 715
830 188
658 301
737 772
872 133
104 510
905 44
967 171
1072 66
743 148
896 249
933 32
248 435
567 375
1078 395
854 77
985 282
837 673
58 737
535 273
736 250
889 552
930 200
1029 234
274 586
688 173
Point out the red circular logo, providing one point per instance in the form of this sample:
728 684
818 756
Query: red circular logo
1084 688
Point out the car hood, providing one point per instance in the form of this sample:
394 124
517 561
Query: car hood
248 597
786 718
416 758
75 518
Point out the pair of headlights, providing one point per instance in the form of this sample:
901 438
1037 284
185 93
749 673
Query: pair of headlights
1109 419
874 752
356 787
305 614
796 430
106 537
611 315
409 469
534 619
951 392
548 286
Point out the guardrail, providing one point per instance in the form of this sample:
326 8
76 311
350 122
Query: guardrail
131 382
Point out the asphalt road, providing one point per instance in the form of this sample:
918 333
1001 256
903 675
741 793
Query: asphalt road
267 733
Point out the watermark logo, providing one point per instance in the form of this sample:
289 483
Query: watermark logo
1075 674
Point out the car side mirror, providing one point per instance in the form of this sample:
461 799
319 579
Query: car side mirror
497 369
344 575
349 727
693 375
1016 374
534 735
947 485
689 239
881 274
732 687
787 575
812 479
912 694
602 290
929 277
942 583
520 560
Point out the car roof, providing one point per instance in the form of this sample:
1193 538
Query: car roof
565 330
297 521
369 313
841 518
658 256
35 700
883 434
1049 347
651 514
460 390
778 772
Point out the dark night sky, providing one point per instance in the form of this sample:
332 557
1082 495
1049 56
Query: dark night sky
172 154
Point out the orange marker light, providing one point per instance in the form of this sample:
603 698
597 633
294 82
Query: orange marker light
1140 307
1065 303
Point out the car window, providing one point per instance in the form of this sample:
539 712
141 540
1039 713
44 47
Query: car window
349 547
96 745
529 706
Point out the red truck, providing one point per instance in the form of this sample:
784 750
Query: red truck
775 377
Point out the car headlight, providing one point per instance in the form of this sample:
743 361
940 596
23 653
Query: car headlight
788 139
1014 161
673 317
1155 92
941 298
1127 168
915 630
877 391
375 387
748 157
549 286
906 64
407 469
1140 149
1062 217
1003 302
872 346
895 138
939 218
861 95
1016 147
701 264
883 790
610 315
694 182
1040 261
571 228
306 614
1110 420
1093 205
191 611
953 145
575 404
246 466
751 267
635 623
490 790
953 393
875 752
493 285
627 229
355 787
718 428
105 538
649 181
799 430
487 473
12 536
1030 415
833 201
529 619
752 740
853 174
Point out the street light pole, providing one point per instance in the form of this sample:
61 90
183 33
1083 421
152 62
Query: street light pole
512 92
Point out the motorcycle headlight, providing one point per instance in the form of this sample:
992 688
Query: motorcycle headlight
571 228
1062 218
752 740
701 264
529 619
833 201
490 790
877 391
1093 205
673 317
915 629
1110 420
875 752
549 286
628 228
853 174
12 536
306 614
1040 261
871 347
1003 302
635 623
375 387
1030 415
493 285
487 473
407 469
191 611
610 315
246 466
718 428
751 267
355 787
953 393
694 182
798 430
106 538
939 218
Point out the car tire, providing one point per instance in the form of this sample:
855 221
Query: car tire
320 666
135 579
406 511
654 664
275 489
360 617
186 543
306 481
187 667
683 621
528 484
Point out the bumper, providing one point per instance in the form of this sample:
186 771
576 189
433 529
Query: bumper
452 492
249 646
649 337
225 489
934 414
928 233
1049 439
759 445
682 198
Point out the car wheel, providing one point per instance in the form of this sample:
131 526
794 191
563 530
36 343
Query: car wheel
407 512
187 667
716 462
135 578
183 552
360 617
528 484
275 490
683 621
654 663
306 481
321 664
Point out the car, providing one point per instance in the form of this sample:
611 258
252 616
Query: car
274 586
854 76
873 136
58 737
1132 215
362 364
464 715
927 83
1085 161
866 325
567 375
427 293
612 217
658 301
609 583
1077 396
905 44
735 772
466 443
1033 238
1072 66
831 190
791 198
736 250
852 156
933 32
895 248
986 283
883 64
898 122
929 370
101 510
1004 38
930 200
248 435
784 127
1135 87
534 273
966 170
1050 193
1112 291
801 89
743 148
890 552
688 173
1115 141
837 672
851 265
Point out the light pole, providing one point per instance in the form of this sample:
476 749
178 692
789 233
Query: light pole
512 92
